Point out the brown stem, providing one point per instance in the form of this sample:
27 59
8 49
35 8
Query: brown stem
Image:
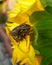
6 40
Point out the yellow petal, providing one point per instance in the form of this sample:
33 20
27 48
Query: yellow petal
21 6
37 6
9 27
23 50
19 55
24 17
21 18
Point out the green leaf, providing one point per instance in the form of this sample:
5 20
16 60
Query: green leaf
49 9
46 2
49 2
47 60
44 29
39 15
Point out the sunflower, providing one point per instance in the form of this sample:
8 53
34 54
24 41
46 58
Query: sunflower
23 52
